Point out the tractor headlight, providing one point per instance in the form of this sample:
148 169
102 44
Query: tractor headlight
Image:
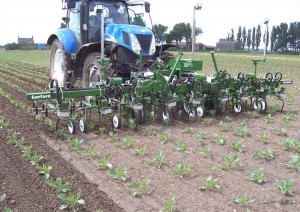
135 45
152 46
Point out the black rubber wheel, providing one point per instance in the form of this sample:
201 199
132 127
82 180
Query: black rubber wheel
60 64
72 126
237 107
116 121
82 125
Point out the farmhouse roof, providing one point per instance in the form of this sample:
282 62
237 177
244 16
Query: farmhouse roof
26 40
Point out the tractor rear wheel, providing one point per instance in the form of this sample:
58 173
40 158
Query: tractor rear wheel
59 65
92 70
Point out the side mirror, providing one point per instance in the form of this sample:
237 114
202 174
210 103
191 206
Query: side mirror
147 7
71 4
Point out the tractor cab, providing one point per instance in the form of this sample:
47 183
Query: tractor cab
121 38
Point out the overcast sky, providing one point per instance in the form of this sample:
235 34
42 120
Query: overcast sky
40 18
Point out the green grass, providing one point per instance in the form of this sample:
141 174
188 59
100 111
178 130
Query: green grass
34 57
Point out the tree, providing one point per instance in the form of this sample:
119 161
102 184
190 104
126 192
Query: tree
249 41
232 35
138 20
273 38
258 37
253 38
239 35
244 38
159 30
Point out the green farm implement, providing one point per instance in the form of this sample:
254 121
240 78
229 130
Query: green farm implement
160 90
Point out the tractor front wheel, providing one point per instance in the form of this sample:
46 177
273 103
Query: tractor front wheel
92 70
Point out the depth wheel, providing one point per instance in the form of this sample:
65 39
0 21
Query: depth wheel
82 125
199 111
237 107
167 116
116 121
257 105
72 126
192 113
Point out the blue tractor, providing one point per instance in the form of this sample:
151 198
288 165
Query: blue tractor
77 48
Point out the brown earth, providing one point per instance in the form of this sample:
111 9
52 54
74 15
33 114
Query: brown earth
26 190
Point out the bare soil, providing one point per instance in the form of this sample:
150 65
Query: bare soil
26 190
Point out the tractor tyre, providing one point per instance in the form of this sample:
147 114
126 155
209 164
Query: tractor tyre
92 70
60 65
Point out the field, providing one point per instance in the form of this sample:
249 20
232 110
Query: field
244 162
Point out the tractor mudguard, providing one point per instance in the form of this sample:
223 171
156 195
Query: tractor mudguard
66 38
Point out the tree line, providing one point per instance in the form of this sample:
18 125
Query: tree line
180 31
283 37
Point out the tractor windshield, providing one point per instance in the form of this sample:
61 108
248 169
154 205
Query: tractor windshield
114 12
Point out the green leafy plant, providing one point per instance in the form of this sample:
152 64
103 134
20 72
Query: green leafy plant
209 183
139 188
243 122
70 201
201 137
188 130
287 119
149 131
91 126
118 173
127 143
141 151
269 118
158 159
205 151
7 209
242 132
12 139
2 197
242 200
231 161
207 121
164 138
181 170
293 112
265 139
4 123
258 176
21 142
75 144
254 114
295 162
104 162
112 137
266 154
224 127
286 187
91 150
297 146
180 146
102 130
227 119
35 158
220 140
281 132
58 185
238 146
169 206
27 151
287 144
45 169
